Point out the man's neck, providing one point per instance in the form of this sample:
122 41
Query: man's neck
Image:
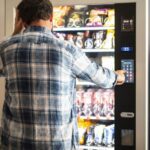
42 23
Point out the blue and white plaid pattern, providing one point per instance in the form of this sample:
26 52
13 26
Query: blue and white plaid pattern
39 110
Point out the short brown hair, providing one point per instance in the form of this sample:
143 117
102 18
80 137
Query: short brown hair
34 10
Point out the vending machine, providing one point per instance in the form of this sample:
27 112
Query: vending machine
112 33
106 33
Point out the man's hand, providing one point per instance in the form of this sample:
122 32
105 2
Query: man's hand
18 24
121 76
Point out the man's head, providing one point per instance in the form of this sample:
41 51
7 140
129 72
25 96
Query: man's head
35 10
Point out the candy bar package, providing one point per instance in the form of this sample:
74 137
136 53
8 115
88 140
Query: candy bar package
95 17
82 15
76 16
93 134
59 15
109 133
95 102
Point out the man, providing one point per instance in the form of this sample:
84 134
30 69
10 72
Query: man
41 70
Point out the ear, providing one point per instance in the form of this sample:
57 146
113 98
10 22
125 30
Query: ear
17 17
51 18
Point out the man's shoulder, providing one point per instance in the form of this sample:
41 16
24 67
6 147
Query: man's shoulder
6 41
61 43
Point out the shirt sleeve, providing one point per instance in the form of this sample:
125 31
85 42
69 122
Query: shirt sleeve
88 70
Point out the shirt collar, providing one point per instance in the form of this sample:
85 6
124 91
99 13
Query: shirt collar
37 29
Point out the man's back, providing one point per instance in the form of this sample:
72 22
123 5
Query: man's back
40 91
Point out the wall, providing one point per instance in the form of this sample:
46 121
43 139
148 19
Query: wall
2 34
2 18
142 78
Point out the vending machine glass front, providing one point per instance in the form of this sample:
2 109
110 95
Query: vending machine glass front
92 29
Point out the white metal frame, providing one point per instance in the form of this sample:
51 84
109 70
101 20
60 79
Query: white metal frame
141 59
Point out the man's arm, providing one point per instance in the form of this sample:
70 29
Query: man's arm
90 71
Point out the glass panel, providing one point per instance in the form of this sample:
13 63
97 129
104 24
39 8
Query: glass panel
91 28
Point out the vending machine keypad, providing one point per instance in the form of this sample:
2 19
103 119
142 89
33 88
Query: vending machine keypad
128 66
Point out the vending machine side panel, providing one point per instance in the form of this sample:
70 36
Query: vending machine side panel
125 52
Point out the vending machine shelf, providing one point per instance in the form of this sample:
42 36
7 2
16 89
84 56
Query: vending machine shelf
84 147
67 29
84 83
96 118
98 50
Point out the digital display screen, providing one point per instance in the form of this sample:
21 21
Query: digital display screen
127 24
128 66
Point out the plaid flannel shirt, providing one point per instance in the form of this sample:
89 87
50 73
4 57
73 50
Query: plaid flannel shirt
39 109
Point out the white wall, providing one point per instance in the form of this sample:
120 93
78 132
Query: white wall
2 34
141 71
2 18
